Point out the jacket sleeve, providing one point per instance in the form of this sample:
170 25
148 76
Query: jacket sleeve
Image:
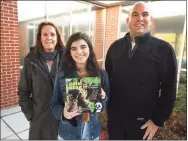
25 91
167 97
57 103
57 100
106 87
109 63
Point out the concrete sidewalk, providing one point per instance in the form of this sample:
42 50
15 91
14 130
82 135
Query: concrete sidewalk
14 124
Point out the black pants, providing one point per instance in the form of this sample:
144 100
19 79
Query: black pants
133 131
129 131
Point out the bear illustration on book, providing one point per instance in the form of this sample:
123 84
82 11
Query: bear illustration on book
77 98
84 94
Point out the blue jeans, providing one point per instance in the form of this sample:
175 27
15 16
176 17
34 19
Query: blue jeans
85 133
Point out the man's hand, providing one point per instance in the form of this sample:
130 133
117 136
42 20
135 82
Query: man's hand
103 135
150 131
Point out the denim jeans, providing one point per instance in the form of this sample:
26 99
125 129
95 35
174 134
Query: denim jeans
85 133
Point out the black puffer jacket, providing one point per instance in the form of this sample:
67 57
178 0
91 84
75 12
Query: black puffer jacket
35 92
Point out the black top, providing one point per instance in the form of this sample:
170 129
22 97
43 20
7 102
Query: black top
143 81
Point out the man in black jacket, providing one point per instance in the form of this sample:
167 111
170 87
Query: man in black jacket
143 71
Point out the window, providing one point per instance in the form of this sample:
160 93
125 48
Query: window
69 16
28 20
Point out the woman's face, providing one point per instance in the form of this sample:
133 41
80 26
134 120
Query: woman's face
48 38
80 52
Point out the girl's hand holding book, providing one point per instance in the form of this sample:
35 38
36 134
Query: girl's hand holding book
103 94
70 115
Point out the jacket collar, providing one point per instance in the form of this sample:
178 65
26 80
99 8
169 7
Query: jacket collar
139 39
70 74
37 60
34 57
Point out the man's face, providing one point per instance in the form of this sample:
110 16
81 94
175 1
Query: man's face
139 20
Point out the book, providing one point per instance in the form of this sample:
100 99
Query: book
84 94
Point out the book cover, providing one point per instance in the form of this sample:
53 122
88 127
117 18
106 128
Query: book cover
84 94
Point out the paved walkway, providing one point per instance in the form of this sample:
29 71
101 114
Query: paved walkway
14 124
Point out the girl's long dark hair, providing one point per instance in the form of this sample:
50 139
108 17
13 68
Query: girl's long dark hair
69 64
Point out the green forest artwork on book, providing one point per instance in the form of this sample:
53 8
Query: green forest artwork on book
84 94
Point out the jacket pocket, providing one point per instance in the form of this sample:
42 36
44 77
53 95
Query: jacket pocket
153 56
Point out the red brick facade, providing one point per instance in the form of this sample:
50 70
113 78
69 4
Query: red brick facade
98 35
10 45
111 30
9 49
23 39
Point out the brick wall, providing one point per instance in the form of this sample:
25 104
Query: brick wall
9 50
98 33
23 39
111 30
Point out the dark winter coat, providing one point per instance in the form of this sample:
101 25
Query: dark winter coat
143 82
35 93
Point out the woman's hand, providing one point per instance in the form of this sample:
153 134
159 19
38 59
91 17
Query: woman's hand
70 115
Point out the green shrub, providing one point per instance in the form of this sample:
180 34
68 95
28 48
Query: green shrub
183 77
181 99
184 63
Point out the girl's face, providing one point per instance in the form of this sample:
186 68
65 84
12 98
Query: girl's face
80 52
48 38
